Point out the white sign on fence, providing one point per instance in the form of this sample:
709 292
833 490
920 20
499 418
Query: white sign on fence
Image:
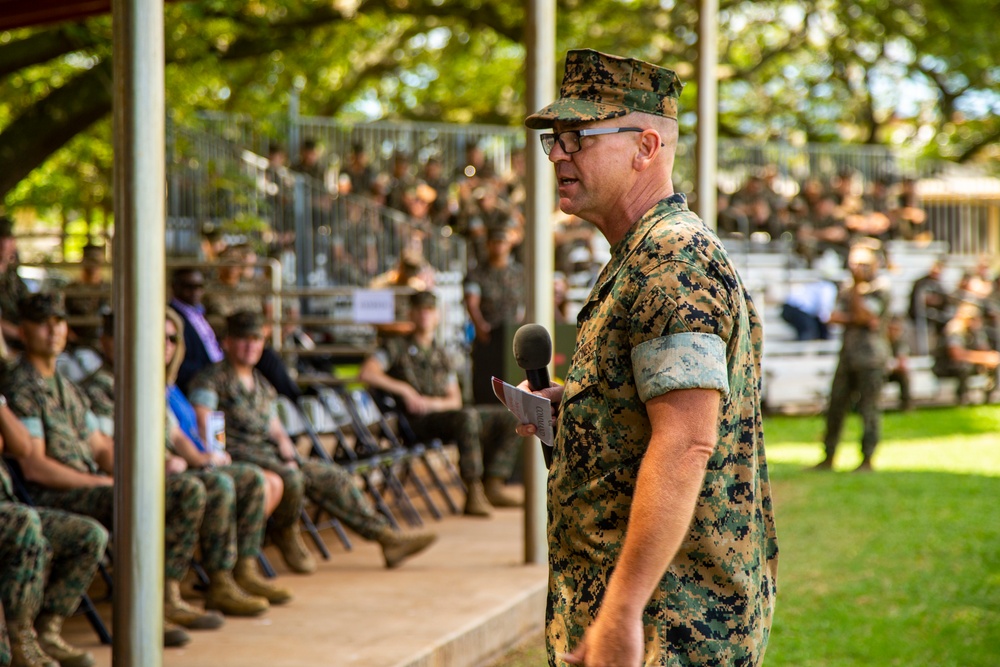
374 306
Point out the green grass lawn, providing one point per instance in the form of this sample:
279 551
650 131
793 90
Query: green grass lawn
898 567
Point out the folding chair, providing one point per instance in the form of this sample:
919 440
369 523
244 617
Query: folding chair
432 448
368 449
381 431
328 420
297 426
86 603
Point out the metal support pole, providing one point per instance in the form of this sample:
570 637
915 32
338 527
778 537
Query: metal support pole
540 42
708 111
294 138
139 281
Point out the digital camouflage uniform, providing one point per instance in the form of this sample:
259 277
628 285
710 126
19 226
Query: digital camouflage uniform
668 312
248 418
57 412
47 560
99 387
233 524
860 374
474 430
958 334
12 290
502 294
233 521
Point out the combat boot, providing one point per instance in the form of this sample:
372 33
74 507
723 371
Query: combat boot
226 596
248 577
49 627
24 648
293 549
397 547
498 494
174 636
177 611
476 503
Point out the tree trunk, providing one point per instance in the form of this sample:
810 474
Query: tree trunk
47 125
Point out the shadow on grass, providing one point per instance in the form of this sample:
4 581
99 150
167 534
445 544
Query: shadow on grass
890 568
917 424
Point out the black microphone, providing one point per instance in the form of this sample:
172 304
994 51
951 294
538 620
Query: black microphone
533 352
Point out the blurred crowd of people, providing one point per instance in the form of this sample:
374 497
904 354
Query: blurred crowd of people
960 327
57 405
822 214
957 327
472 202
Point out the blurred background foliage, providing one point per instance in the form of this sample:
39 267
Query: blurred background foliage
919 73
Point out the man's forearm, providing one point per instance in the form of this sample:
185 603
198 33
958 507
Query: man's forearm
378 379
58 476
16 440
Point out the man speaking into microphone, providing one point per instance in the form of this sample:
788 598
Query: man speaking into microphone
662 546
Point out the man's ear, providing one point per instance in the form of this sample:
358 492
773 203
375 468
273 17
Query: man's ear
650 145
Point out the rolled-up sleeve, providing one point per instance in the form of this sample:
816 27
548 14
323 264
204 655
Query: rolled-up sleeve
205 397
687 360
34 425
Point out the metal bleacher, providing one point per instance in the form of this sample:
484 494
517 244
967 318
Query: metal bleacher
797 374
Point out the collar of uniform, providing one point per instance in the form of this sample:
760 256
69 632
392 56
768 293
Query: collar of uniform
634 236
235 379
55 391
32 373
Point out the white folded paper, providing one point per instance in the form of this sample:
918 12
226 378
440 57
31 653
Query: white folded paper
527 407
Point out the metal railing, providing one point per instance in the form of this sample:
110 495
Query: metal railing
954 212
323 238
382 139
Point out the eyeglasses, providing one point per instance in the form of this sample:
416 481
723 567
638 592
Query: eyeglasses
172 338
569 140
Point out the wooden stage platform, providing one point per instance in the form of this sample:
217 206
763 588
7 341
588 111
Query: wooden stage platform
464 601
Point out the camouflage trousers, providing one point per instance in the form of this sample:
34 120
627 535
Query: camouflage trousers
501 445
47 559
326 484
233 523
459 426
863 385
185 507
483 431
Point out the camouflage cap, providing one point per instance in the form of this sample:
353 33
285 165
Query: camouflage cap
598 86
41 306
499 232
245 324
93 253
423 299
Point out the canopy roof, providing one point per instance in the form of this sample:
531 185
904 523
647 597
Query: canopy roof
21 13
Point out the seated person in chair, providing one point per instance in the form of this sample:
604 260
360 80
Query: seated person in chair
254 433
238 494
47 560
71 462
418 372
964 350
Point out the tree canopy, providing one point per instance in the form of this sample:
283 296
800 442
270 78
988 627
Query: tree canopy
915 72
